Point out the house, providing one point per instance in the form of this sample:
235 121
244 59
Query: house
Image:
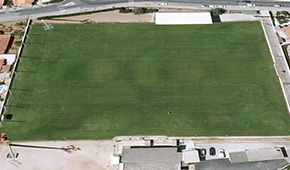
23 2
5 40
3 66
2 3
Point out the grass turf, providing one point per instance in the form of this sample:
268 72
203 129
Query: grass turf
103 80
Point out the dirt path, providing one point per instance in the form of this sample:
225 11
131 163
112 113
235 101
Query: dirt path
103 17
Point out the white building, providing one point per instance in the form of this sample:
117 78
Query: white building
182 18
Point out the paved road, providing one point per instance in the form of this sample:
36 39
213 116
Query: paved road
73 6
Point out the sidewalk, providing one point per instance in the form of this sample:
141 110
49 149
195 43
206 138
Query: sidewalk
280 63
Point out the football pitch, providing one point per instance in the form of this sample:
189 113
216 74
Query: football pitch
104 80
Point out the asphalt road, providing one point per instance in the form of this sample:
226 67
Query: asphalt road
79 5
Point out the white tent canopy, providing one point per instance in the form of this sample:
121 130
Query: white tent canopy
182 18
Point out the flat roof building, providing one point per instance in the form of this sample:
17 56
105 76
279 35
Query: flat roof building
182 18
190 156
157 158
256 155
225 164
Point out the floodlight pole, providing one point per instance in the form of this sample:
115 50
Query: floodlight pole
45 23
9 91
2 118
10 151
5 109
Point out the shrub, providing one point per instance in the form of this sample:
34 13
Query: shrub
18 43
282 17
125 10
138 11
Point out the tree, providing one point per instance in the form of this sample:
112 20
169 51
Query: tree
217 11
9 3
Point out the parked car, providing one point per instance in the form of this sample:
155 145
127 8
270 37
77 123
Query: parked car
163 3
222 153
250 4
221 6
202 154
278 5
212 151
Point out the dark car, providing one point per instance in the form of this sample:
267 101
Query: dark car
212 151
202 153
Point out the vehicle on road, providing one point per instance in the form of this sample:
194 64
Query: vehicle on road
163 3
202 153
212 151
278 5
221 6
204 5
250 4
222 153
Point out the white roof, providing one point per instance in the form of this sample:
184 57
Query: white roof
182 18
264 154
115 160
256 155
9 57
190 156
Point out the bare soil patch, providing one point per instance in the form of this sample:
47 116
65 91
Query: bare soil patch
103 17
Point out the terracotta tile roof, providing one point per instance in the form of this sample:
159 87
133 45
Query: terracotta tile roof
22 2
2 62
5 68
2 3
4 42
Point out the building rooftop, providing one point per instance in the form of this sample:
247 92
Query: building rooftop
10 58
4 42
5 69
158 158
256 155
22 2
183 18
225 164
2 3
265 154
190 156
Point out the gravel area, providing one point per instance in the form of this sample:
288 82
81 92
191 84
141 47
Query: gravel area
103 17
92 155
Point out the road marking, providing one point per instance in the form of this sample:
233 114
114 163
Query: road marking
70 4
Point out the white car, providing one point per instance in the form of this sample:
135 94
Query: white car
250 4
163 3
222 153
278 5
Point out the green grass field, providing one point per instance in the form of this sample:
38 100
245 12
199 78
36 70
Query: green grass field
104 80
